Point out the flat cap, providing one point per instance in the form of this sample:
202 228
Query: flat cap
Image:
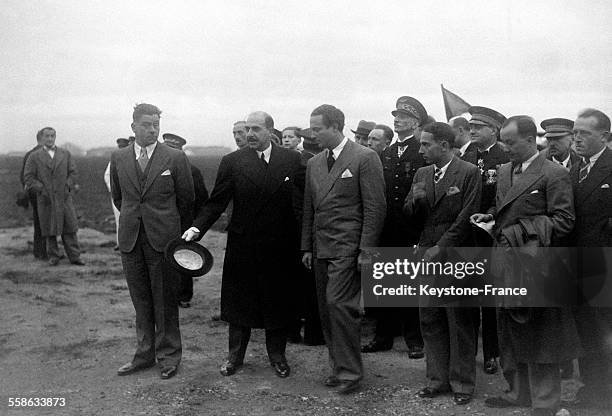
486 117
364 127
557 127
174 140
412 107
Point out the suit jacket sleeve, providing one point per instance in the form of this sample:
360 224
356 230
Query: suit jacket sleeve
220 197
183 188
560 203
201 193
372 187
308 212
30 175
472 189
115 187
299 182
416 208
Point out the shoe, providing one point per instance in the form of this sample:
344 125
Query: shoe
501 402
462 398
130 368
429 393
168 372
348 386
415 352
281 369
228 368
332 381
78 262
184 304
376 346
490 366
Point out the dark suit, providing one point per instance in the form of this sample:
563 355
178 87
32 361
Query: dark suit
399 231
40 245
185 292
53 180
260 260
448 332
486 162
343 213
152 205
593 203
574 158
531 351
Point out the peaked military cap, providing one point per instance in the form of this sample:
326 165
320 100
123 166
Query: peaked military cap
557 127
486 117
412 107
174 140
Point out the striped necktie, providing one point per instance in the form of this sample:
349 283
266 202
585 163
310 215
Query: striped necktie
143 159
584 170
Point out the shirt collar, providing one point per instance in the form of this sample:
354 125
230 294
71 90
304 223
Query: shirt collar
406 139
266 153
594 158
563 162
338 149
149 148
526 163
443 168
463 148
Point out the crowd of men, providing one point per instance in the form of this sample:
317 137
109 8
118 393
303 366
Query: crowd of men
307 203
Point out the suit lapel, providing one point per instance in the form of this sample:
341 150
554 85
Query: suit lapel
524 181
57 158
128 158
429 185
253 168
273 176
329 178
447 179
159 160
600 170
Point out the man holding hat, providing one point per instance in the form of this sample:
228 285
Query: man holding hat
185 292
559 137
400 162
486 153
121 143
363 130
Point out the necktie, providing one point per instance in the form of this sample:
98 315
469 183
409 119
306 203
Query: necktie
518 169
330 160
437 175
584 170
263 159
143 159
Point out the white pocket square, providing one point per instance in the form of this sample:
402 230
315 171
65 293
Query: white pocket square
286 178
347 174
166 172
535 192
452 191
605 186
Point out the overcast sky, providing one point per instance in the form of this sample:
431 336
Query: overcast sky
80 66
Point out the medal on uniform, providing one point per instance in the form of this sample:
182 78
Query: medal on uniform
491 177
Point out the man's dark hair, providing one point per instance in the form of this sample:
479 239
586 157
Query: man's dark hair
388 132
331 115
39 133
525 126
269 121
603 121
460 122
441 132
145 109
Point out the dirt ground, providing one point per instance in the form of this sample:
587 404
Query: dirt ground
65 330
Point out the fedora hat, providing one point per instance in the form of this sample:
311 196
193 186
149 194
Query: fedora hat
364 127
188 257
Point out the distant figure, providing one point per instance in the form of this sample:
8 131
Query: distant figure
185 292
380 138
363 129
290 138
461 127
40 245
121 143
152 187
50 173
560 137
239 132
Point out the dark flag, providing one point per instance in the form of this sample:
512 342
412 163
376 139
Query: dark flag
453 104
